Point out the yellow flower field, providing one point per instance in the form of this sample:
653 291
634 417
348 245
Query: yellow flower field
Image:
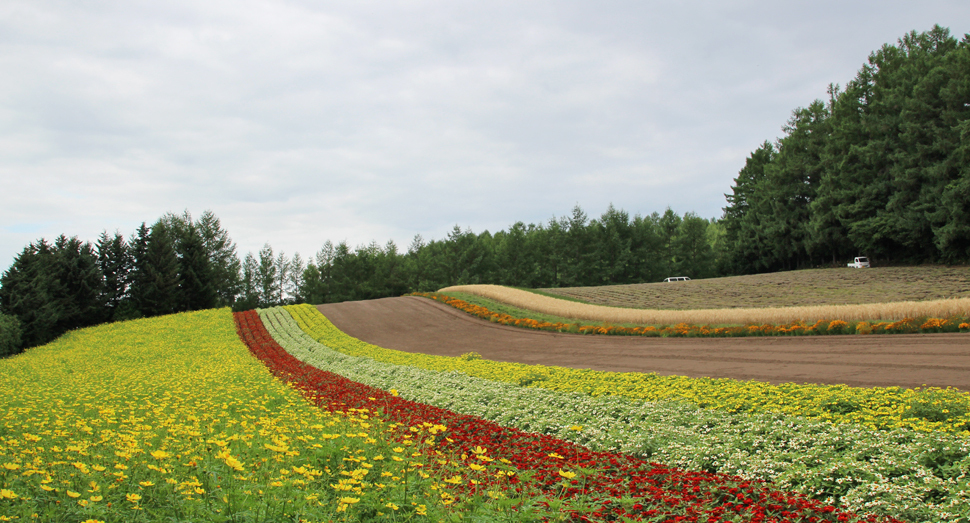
171 419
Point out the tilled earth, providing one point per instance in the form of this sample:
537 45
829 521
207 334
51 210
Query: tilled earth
419 325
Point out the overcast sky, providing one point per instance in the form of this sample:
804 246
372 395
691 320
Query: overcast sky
297 122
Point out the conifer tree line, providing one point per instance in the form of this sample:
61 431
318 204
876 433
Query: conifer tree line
881 169
180 264
177 264
565 252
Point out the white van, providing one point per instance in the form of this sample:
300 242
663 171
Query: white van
677 278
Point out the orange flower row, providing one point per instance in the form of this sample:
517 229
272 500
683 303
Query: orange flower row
798 328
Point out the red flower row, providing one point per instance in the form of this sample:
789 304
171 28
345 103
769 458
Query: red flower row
661 493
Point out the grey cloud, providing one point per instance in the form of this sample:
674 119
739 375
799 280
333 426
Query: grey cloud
296 122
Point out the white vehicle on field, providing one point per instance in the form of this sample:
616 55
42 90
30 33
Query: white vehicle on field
860 263
677 278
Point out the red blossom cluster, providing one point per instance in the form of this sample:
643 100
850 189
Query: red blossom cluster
659 493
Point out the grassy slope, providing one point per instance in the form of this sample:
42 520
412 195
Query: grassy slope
785 289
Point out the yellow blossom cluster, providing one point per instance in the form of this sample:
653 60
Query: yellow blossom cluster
172 419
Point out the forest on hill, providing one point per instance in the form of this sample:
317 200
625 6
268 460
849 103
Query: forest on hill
881 168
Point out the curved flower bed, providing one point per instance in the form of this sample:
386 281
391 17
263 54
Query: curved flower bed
929 409
623 477
171 419
917 475
686 330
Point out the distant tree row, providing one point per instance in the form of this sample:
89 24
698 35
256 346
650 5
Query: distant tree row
565 252
180 264
880 169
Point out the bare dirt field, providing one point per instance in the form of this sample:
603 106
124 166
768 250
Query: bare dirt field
840 286
419 325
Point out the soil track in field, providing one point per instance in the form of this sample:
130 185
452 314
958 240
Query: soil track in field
419 325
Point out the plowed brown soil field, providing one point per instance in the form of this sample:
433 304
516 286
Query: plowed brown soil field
419 325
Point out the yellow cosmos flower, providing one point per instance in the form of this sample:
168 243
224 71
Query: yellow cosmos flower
160 454
475 466
134 498
72 494
567 475
7 494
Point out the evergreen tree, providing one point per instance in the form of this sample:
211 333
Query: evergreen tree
224 266
747 207
612 237
547 247
10 335
160 294
115 261
195 272
898 132
296 279
26 293
249 286
577 254
267 277
138 280
645 251
76 282
791 182
52 289
693 254
667 226
281 287
514 266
